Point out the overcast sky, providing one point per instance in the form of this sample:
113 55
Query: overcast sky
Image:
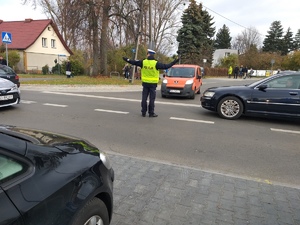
241 14
235 14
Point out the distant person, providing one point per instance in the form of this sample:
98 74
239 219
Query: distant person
229 71
3 61
126 70
241 71
245 72
236 72
150 77
68 69
250 74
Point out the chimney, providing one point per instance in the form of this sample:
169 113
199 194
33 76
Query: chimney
28 20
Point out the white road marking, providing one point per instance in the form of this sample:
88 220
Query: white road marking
27 102
120 99
111 111
285 131
191 120
56 105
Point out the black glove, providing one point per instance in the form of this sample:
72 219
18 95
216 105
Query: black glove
125 59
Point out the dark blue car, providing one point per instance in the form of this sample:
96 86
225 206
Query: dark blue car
277 95
48 178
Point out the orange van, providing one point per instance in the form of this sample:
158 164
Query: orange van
182 80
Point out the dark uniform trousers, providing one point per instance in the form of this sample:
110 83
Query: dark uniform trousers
148 90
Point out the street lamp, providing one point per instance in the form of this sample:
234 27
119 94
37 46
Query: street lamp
272 62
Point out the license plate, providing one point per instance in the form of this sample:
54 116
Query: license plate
6 97
174 91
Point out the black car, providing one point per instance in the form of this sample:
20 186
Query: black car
48 178
8 73
277 95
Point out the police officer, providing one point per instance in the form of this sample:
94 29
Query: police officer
150 77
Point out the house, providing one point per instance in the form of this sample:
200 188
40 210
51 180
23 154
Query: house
221 53
38 42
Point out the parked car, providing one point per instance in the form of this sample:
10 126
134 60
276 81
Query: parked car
9 93
8 73
183 80
271 96
48 178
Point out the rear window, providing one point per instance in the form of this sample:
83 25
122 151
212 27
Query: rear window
181 72
10 168
6 70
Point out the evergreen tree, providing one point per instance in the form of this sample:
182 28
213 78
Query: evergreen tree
288 44
195 35
296 45
274 40
223 39
209 31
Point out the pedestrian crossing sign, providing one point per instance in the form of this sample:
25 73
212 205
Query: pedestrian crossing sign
6 37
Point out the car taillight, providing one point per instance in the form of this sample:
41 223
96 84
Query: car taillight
17 77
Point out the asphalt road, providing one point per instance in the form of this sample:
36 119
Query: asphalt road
184 134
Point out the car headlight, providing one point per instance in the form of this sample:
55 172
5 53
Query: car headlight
209 94
14 88
189 81
105 160
165 81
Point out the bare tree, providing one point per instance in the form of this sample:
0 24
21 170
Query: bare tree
249 37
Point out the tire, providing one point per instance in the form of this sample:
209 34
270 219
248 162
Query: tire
93 213
230 108
192 96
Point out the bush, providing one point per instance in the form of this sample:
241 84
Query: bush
45 69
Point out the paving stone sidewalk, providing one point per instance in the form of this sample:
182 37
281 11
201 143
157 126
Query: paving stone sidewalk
147 192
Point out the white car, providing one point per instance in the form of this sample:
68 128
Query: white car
9 93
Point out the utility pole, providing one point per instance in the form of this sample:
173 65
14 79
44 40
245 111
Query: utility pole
150 26
137 38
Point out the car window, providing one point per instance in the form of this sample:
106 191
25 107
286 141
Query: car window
10 168
6 70
285 82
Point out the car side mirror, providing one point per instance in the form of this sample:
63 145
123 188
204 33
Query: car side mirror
262 87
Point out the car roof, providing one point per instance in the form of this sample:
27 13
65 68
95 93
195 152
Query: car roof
13 144
185 65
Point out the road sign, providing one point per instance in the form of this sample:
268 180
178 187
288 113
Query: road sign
6 37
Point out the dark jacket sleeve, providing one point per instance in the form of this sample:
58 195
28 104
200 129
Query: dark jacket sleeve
161 66
135 62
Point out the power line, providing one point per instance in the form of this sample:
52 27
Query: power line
230 20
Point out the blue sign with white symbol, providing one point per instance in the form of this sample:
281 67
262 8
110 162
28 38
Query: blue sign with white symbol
6 37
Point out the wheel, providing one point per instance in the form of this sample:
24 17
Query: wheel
192 96
163 96
230 108
93 213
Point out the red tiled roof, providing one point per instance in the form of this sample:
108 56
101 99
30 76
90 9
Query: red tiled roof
25 33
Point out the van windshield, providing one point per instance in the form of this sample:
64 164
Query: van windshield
181 72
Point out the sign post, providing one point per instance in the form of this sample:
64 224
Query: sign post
7 39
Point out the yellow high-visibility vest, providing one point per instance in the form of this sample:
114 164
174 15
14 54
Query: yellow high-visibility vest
149 72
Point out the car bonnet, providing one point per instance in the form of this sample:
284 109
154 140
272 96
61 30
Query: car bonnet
64 143
4 84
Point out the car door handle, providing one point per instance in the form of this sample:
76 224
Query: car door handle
293 93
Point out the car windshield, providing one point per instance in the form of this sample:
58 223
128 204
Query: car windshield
6 70
181 72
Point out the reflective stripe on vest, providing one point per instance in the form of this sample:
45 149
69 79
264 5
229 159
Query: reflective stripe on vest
149 72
